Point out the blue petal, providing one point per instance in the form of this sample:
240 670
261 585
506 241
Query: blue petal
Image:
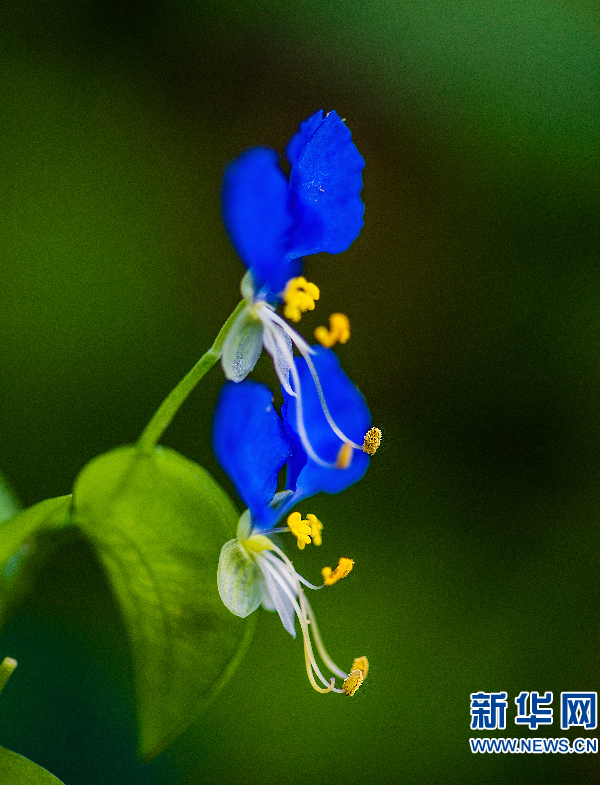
349 411
256 216
251 444
325 186
302 137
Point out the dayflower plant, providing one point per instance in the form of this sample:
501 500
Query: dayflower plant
253 443
273 223
155 519
323 436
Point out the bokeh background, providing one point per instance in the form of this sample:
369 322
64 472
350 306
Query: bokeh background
474 296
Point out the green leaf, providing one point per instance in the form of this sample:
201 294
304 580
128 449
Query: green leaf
158 522
17 770
25 539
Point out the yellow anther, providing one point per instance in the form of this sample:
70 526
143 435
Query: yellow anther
305 531
358 673
361 664
372 441
344 456
353 682
299 528
333 576
299 296
339 331
316 527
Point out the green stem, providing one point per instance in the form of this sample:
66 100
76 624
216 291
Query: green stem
6 668
170 406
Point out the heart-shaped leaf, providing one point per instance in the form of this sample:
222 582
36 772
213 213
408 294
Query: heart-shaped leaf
158 522
17 770
24 540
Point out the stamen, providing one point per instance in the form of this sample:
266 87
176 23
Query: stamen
311 664
333 576
272 339
361 664
316 527
328 417
304 614
372 441
299 296
353 682
299 528
305 531
306 618
358 673
270 557
319 642
339 330
344 457
279 345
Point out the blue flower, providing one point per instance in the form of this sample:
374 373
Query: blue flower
253 443
274 222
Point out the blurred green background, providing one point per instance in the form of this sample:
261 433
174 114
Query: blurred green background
474 297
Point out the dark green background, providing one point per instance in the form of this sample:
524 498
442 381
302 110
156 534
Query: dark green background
473 293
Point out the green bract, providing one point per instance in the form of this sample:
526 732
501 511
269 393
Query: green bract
239 580
243 343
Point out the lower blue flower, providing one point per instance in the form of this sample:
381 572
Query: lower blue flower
320 436
252 444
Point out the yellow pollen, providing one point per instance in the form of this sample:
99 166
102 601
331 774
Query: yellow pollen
344 456
353 682
299 528
333 576
339 331
299 296
358 673
361 664
316 527
303 531
372 441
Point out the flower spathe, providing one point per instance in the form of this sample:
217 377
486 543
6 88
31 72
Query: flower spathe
253 444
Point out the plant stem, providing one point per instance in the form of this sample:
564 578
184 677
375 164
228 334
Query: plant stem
170 406
6 668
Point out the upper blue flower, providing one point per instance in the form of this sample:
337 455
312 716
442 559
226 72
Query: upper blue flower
252 443
272 222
